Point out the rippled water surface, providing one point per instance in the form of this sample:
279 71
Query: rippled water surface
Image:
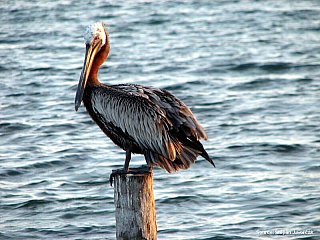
250 72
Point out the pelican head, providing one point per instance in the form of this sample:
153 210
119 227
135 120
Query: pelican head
97 50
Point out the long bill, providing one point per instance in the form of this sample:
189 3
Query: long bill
91 51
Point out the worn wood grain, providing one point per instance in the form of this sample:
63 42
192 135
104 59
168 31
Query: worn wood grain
135 206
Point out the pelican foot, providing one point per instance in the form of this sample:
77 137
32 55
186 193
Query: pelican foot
139 170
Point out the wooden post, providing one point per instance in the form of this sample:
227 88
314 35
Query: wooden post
135 205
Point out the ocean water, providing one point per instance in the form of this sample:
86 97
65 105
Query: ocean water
250 72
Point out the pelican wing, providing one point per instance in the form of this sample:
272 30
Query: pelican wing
175 110
137 117
185 131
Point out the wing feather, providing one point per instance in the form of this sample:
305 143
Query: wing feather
138 117
174 109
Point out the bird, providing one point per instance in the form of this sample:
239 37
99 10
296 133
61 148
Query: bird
139 119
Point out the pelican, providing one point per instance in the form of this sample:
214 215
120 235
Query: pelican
139 119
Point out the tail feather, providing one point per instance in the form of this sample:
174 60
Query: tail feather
186 149
193 143
184 159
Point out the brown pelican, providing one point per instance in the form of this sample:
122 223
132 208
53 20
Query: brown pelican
139 119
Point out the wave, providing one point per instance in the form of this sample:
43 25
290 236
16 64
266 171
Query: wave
271 147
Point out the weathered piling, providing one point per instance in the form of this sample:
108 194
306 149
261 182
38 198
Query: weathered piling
135 205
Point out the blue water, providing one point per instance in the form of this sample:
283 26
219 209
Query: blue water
250 72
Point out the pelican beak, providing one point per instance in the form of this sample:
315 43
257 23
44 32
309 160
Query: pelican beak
91 51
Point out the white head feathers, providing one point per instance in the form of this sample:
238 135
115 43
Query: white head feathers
96 30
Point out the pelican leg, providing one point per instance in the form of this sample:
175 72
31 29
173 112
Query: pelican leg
125 170
126 163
